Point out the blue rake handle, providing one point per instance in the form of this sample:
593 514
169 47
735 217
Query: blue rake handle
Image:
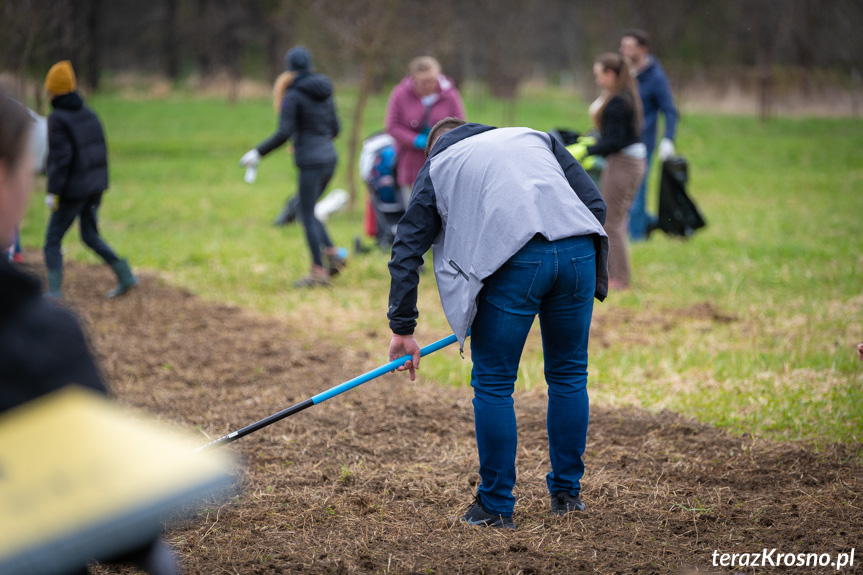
325 395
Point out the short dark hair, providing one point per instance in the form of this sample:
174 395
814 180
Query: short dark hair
15 125
440 129
641 37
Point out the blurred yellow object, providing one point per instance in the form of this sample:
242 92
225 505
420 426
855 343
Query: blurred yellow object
83 478
588 163
578 150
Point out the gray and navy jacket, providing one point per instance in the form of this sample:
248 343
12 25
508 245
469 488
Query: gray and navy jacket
77 152
482 194
308 116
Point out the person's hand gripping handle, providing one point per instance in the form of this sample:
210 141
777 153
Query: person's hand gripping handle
401 345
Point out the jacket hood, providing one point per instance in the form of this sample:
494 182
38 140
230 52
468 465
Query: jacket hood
317 86
70 101
298 59
458 134
444 83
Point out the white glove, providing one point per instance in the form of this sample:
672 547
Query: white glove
51 202
251 158
251 174
666 149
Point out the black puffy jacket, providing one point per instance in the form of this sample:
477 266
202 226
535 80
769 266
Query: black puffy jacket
77 153
309 117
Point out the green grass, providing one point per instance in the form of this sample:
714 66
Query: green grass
750 325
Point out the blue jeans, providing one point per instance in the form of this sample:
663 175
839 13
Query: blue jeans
557 281
639 219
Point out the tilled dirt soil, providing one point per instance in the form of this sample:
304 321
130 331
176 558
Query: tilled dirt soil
372 481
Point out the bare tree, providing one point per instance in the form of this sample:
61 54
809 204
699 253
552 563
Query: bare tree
363 27
170 40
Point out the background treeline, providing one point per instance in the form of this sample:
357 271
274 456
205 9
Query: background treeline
500 43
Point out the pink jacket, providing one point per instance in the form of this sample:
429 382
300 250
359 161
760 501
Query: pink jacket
405 112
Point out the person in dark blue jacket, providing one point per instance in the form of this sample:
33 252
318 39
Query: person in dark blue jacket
655 92
77 178
308 116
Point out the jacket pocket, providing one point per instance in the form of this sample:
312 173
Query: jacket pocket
585 277
460 272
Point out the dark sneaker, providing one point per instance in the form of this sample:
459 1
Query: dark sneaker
312 281
562 503
476 515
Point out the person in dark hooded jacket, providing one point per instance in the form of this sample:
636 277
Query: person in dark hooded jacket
43 347
77 178
308 116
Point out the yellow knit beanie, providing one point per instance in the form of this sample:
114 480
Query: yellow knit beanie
61 78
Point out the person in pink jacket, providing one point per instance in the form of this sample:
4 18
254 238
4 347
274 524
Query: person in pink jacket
424 97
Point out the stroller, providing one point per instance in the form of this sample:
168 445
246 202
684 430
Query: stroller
385 205
677 215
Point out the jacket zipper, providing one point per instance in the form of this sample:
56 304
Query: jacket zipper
459 270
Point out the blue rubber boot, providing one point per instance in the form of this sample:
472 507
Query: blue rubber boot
55 280
126 280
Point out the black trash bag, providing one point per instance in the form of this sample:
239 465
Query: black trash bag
677 215
565 136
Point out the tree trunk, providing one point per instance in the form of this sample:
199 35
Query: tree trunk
170 45
354 139
24 62
202 36
370 63
93 66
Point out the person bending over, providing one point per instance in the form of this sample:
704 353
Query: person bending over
516 229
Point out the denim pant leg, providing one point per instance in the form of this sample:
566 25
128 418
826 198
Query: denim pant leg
88 220
565 316
496 342
313 182
557 281
639 219
59 223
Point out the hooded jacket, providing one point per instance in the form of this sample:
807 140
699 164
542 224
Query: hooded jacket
77 152
42 346
308 115
407 117
481 196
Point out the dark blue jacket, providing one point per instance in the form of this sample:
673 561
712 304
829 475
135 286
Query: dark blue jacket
42 346
77 153
656 96
309 117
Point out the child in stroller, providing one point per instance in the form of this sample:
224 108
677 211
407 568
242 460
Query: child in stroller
385 205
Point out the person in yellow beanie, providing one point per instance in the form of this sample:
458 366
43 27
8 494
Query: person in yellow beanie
61 79
77 178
